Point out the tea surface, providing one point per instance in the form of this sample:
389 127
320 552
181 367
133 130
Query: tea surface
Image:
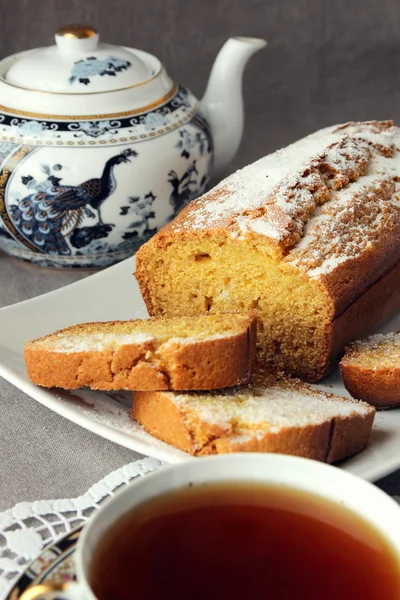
244 541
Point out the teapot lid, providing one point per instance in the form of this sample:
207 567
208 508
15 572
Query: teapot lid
78 63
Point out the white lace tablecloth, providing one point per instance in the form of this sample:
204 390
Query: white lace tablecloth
28 527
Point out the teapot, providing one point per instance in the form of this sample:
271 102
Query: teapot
99 147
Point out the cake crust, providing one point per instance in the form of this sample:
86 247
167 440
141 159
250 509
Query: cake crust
363 317
148 364
380 389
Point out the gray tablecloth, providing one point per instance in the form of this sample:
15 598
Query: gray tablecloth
42 455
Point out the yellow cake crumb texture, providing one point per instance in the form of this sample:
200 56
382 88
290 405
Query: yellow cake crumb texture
97 336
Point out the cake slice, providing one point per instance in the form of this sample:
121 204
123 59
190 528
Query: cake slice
285 417
371 370
205 352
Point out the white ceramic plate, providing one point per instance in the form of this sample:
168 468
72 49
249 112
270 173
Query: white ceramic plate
114 294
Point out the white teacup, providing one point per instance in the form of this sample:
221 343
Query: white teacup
332 483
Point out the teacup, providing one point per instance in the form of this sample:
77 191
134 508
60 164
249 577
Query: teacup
299 474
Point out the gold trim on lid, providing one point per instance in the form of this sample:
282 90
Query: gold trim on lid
153 76
78 32
127 113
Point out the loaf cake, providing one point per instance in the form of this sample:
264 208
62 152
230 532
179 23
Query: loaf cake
269 416
205 352
308 237
370 370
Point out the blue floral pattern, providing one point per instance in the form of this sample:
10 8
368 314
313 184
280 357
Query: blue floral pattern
84 69
29 128
95 129
5 149
185 187
154 120
181 99
179 110
189 140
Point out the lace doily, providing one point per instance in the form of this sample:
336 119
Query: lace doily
28 527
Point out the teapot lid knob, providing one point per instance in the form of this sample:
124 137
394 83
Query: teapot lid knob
79 32
77 38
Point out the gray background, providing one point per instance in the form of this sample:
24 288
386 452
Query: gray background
327 62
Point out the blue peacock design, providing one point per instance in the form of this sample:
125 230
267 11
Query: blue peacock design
54 212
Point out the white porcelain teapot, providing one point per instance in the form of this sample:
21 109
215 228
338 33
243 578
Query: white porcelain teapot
99 148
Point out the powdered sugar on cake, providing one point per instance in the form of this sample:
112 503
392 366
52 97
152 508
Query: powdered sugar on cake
94 342
354 220
273 407
97 342
379 339
319 202
250 188
377 351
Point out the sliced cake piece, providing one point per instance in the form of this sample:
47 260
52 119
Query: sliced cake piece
205 352
270 416
371 370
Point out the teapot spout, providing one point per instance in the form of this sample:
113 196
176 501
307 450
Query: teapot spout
222 104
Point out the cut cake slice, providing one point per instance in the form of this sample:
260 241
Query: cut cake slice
285 417
205 352
371 370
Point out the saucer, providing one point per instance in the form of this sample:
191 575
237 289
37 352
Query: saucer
53 566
